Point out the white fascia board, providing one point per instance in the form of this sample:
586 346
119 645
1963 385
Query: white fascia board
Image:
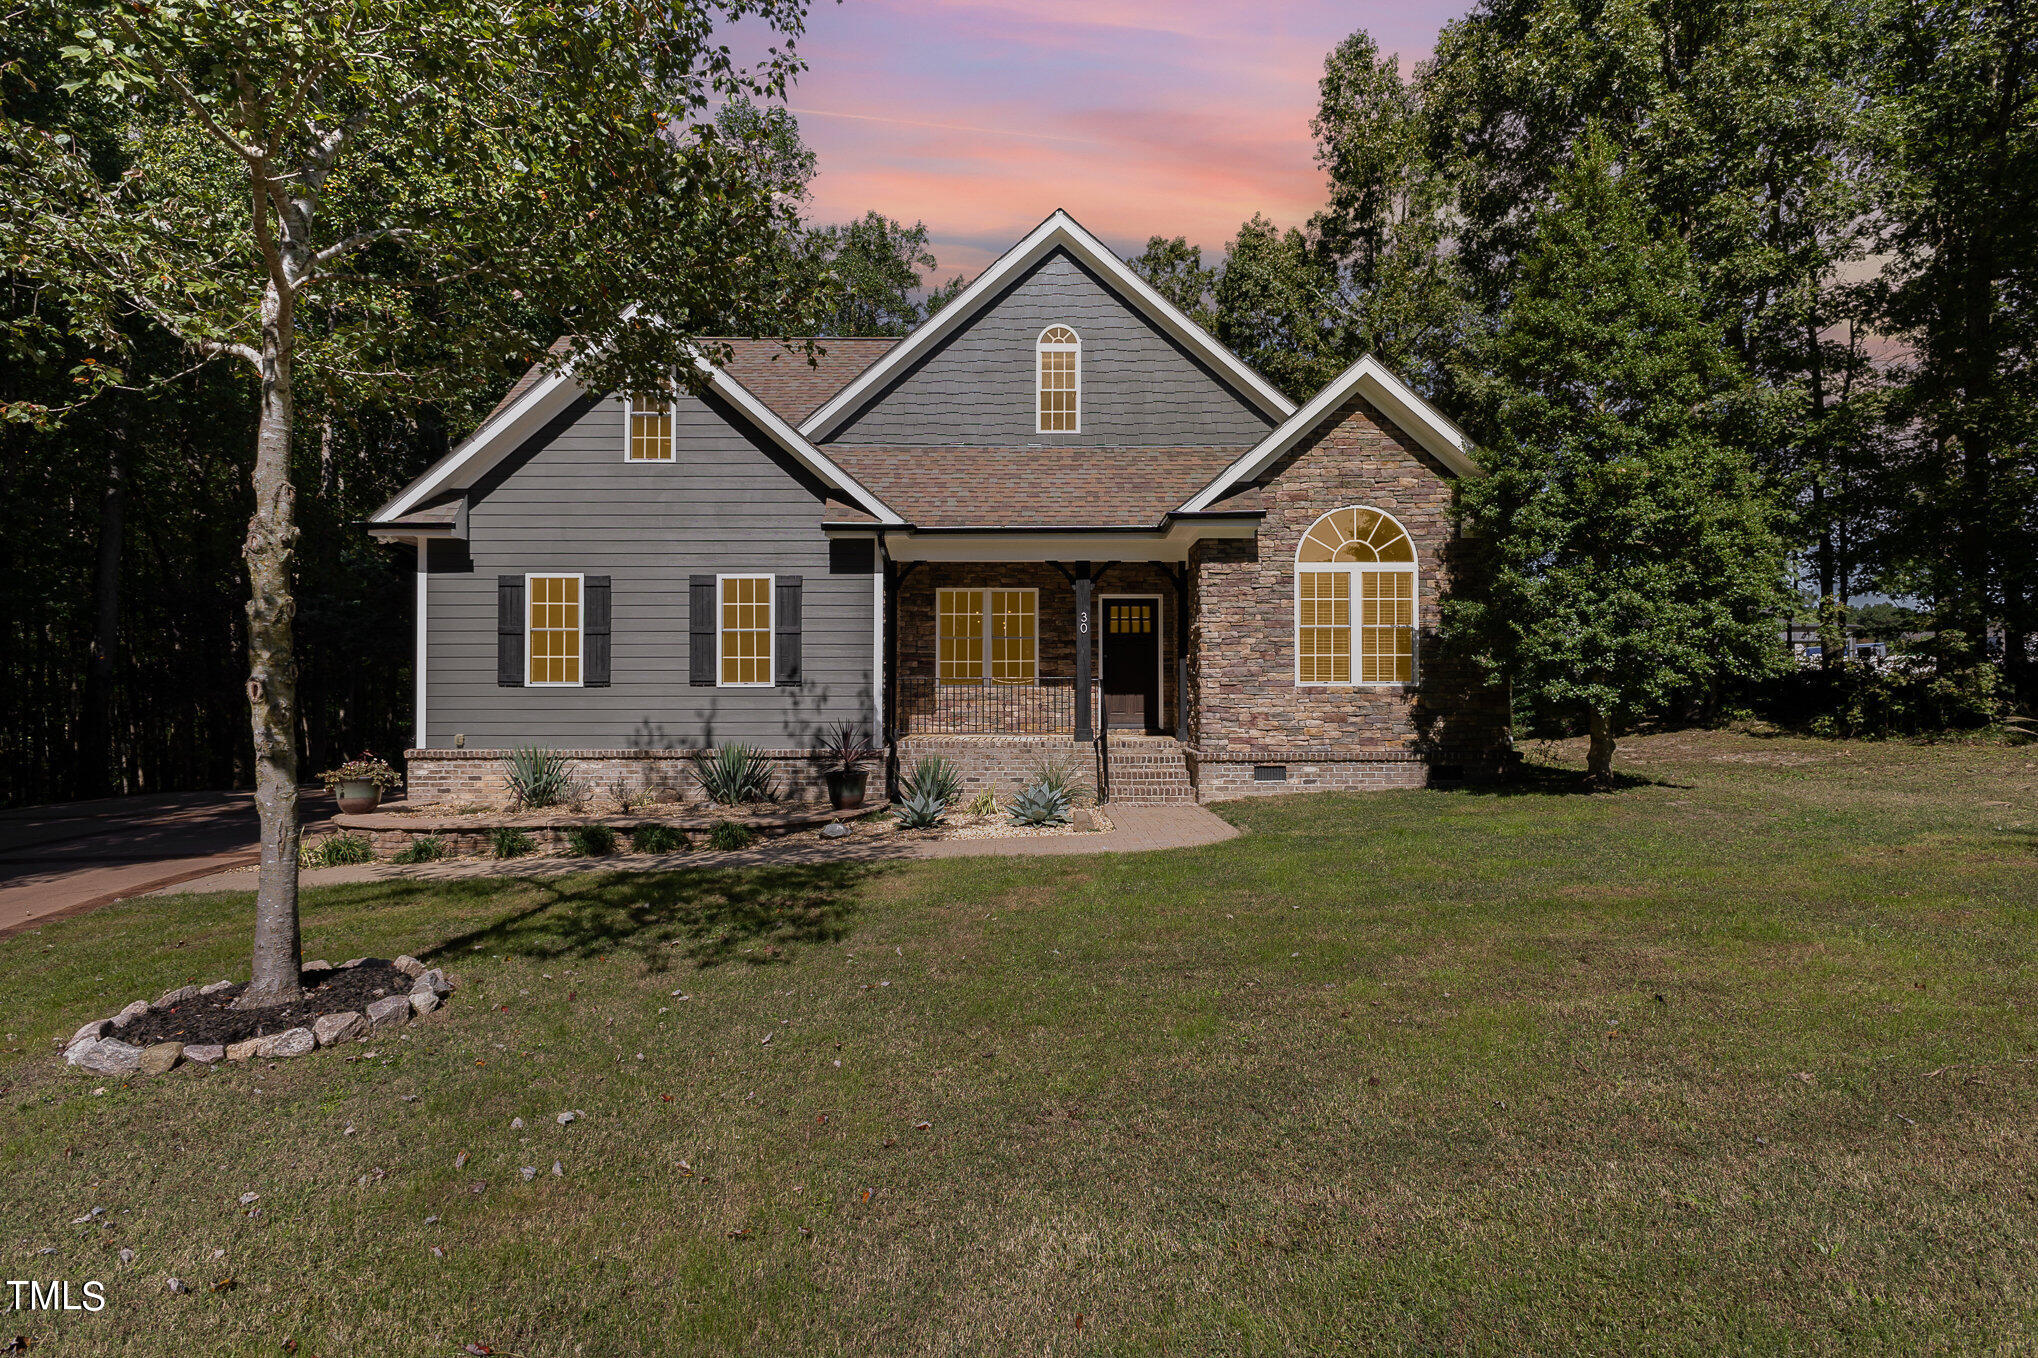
1418 418
1059 231
553 392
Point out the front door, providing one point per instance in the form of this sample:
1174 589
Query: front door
1132 663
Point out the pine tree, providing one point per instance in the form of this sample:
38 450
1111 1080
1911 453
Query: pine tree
1628 552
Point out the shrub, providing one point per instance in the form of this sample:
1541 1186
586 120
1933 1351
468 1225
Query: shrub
984 804
591 841
509 842
733 774
335 851
658 839
1058 774
728 835
935 776
846 748
921 808
1041 803
422 849
1901 695
537 777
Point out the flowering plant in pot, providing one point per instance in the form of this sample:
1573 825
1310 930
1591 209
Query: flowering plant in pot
847 752
359 783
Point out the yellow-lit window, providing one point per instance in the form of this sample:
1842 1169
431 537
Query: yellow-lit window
1323 630
650 432
1386 626
554 633
1061 381
746 629
1355 596
1015 636
959 636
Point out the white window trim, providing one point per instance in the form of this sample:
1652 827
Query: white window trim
1040 348
579 629
770 629
1350 570
985 614
629 429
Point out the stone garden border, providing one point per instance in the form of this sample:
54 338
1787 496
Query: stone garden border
95 1048
466 834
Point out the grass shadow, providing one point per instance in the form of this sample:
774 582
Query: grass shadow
1528 779
757 915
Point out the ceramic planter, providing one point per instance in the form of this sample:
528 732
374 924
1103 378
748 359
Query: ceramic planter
845 788
357 796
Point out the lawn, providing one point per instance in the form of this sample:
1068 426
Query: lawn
1738 1058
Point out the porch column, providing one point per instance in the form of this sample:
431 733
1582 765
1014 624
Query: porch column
1082 583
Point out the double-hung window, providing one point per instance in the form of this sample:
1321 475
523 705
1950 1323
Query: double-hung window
1355 600
553 648
987 636
648 436
744 630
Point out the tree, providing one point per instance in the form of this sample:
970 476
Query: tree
323 192
869 270
1175 270
1627 551
1277 307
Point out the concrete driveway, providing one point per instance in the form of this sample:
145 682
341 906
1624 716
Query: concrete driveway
66 859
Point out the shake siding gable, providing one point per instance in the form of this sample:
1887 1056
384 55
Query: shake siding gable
568 502
977 388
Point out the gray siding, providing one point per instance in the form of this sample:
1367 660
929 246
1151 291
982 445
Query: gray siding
976 388
568 502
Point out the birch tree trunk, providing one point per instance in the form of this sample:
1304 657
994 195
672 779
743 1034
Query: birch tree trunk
272 668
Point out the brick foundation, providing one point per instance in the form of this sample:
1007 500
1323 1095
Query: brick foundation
1000 765
1237 773
481 777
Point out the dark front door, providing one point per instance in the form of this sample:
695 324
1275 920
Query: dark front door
1132 669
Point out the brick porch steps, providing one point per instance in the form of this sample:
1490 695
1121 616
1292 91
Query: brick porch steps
1149 772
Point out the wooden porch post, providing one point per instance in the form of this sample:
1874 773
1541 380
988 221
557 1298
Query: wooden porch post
1083 584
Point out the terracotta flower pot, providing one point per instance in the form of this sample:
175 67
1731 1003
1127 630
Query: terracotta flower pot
357 797
845 788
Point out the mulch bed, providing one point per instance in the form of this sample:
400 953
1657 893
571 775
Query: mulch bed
213 1019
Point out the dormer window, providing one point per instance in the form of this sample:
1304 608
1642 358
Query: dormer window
1060 368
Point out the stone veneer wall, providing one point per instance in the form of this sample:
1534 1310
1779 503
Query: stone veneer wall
1247 709
1001 765
481 777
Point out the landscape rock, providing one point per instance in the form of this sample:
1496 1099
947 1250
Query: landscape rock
161 1058
409 966
1082 818
424 1001
215 987
320 965
335 1028
170 998
91 1032
351 963
393 1010
295 1042
434 981
75 1053
834 829
130 1014
205 1053
110 1056
243 1051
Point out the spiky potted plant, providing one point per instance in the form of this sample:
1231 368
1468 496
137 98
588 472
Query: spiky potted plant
358 784
847 754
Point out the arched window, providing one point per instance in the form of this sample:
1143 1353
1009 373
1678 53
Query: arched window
1059 368
1355 600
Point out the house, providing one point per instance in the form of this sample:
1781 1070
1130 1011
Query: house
1059 520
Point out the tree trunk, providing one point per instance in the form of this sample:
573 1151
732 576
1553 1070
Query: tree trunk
97 759
272 669
1599 756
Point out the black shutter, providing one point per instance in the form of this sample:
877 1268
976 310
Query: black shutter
509 631
700 646
594 634
786 623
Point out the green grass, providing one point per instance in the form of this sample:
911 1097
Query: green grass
1431 1072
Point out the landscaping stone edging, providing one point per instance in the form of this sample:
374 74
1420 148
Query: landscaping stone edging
95 1049
392 831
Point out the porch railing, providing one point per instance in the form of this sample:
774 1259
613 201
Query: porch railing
928 707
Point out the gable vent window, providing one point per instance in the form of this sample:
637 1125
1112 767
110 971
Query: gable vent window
1060 371
650 437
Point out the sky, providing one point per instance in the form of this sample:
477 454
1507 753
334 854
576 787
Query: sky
1138 116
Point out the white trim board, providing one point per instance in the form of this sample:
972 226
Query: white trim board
554 392
1059 231
1418 418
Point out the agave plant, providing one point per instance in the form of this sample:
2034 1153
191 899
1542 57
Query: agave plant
537 776
1041 803
934 776
921 808
734 774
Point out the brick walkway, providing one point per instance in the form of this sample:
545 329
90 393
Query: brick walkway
1135 829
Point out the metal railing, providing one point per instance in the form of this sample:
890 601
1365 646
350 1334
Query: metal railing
926 706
